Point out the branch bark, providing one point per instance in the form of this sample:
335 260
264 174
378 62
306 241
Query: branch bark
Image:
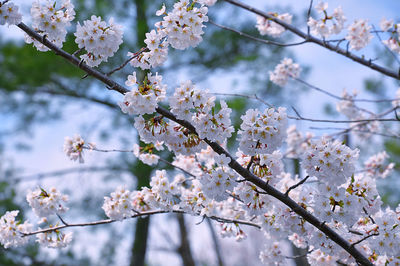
322 43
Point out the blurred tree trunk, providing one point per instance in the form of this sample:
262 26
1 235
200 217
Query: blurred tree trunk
217 247
142 172
184 248
298 253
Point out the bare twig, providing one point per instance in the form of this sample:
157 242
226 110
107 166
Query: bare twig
127 61
255 38
341 98
108 221
131 151
67 171
299 117
386 48
255 97
364 238
296 185
309 38
62 220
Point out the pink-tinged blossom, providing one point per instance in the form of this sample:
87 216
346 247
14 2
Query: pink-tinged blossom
283 71
9 14
268 27
73 148
359 34
386 24
376 166
272 253
396 102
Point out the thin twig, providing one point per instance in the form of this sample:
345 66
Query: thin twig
269 42
131 151
62 220
308 17
108 221
67 171
255 97
296 185
77 51
299 117
342 98
364 238
309 38
127 61
387 48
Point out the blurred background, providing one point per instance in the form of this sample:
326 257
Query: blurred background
43 99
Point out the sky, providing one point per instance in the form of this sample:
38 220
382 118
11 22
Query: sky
328 70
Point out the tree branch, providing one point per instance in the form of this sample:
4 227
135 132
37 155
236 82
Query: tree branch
112 85
327 45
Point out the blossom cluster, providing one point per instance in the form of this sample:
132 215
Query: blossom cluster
181 28
348 107
11 231
269 27
283 71
320 27
148 157
73 148
51 21
262 132
330 161
359 34
45 203
143 99
9 14
100 40
393 43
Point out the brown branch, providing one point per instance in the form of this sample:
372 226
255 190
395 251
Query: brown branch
341 98
138 214
334 236
296 185
67 171
127 61
299 117
309 38
364 238
255 38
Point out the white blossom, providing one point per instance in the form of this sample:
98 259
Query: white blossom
9 14
100 40
11 231
47 202
51 20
